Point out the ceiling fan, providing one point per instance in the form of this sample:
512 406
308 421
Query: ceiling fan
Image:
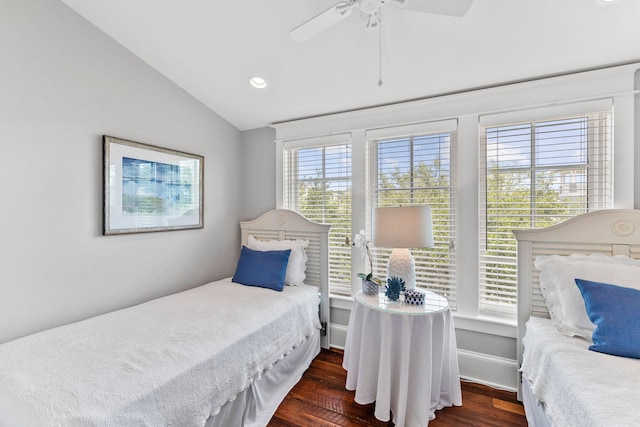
371 10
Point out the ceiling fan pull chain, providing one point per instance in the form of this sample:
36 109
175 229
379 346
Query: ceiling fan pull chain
380 47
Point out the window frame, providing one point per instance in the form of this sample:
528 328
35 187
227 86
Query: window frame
337 253
530 119
412 135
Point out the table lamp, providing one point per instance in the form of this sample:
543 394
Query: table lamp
402 228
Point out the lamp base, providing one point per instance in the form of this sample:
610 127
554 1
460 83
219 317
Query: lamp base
402 265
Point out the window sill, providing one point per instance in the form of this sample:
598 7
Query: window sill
484 324
344 303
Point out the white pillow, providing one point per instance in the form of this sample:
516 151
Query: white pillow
295 274
561 294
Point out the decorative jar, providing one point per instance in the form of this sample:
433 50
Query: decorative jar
414 297
369 287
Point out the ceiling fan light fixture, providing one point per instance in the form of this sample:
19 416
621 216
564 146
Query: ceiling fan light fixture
258 82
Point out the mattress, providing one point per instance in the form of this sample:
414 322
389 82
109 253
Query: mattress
172 361
576 386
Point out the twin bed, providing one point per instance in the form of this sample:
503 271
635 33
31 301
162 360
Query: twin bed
564 383
222 354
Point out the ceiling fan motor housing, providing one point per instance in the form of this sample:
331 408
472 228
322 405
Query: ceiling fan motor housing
372 11
370 6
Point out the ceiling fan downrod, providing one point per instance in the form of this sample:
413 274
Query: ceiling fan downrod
380 48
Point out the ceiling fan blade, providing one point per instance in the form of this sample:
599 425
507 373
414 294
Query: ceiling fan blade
321 22
457 8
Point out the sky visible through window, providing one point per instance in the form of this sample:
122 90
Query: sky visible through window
558 146
428 150
559 142
333 166
432 150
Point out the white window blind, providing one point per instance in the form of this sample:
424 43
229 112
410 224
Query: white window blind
317 183
535 174
418 169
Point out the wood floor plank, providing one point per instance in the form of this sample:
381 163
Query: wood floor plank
320 399
508 406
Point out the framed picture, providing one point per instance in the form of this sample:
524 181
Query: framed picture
148 188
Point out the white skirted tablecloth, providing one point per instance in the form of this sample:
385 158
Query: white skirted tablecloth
403 357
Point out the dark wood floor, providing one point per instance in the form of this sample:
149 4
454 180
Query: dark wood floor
320 399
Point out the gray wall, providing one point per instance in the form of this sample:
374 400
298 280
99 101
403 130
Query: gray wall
63 84
258 172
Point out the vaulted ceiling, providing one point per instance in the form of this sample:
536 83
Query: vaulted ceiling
210 48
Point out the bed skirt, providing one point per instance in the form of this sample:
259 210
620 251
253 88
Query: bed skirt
534 410
255 406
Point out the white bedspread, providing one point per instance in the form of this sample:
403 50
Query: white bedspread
579 387
173 361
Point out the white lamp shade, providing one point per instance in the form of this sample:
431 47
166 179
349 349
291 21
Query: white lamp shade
402 227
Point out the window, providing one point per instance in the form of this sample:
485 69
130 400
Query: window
516 156
535 174
317 183
418 170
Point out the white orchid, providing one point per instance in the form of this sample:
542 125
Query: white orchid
361 242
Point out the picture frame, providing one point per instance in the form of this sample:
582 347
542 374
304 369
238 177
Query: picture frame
149 188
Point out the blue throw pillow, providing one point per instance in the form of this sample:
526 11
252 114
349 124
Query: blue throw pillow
615 310
265 269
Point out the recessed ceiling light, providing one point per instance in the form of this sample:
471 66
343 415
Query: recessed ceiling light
258 82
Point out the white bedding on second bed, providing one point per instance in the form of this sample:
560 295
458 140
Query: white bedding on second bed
579 387
171 361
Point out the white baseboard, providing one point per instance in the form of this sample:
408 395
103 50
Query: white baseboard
338 335
494 371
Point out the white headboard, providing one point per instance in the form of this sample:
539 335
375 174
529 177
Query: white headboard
610 232
280 224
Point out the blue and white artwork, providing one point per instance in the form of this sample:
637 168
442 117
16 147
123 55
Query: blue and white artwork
153 188
150 188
